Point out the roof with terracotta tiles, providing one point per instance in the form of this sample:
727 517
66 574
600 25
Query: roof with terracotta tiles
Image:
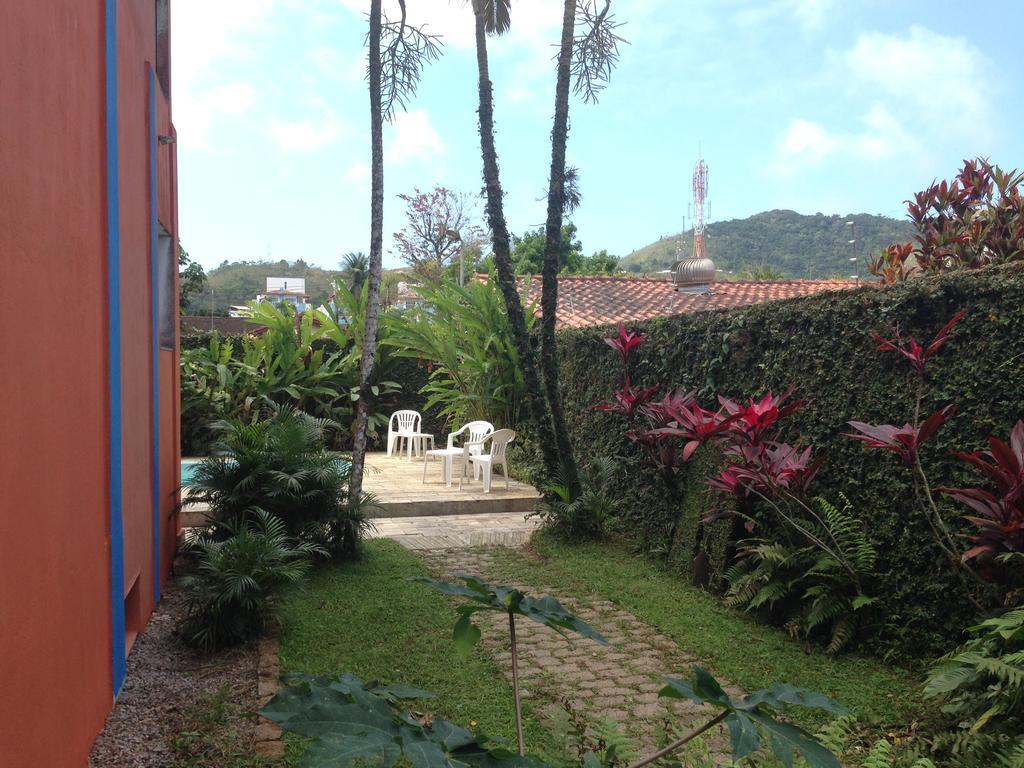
591 300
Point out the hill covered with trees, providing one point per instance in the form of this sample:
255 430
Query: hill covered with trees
785 241
240 281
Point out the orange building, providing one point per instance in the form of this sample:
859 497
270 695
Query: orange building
89 454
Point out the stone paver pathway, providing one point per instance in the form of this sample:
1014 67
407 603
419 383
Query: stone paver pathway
508 529
618 682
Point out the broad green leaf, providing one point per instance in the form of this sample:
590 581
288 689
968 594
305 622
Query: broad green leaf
465 634
544 610
422 751
781 695
551 613
355 719
337 751
788 739
743 735
703 688
402 692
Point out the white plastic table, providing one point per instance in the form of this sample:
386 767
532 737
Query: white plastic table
415 442
447 456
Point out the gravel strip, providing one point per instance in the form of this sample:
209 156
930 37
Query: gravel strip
166 683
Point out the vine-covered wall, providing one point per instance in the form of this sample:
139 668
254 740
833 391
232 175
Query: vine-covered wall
822 345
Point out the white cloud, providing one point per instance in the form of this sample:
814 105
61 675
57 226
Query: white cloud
193 115
358 173
807 141
203 34
919 92
413 137
305 134
942 78
810 15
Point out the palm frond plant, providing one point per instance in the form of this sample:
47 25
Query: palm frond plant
588 515
341 323
280 466
230 595
465 334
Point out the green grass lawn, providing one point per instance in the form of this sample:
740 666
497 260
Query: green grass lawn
363 618
730 643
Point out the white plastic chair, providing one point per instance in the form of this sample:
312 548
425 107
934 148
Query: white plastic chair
478 430
402 424
487 461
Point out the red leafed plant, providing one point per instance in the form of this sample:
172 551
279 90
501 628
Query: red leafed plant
753 420
628 401
974 220
903 441
914 352
696 426
895 264
1000 515
624 344
767 469
906 441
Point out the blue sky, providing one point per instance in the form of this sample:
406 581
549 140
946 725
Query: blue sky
813 105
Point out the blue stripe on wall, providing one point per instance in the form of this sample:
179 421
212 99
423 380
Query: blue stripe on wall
154 289
117 638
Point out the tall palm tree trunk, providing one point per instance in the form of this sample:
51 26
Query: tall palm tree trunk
552 246
536 409
373 276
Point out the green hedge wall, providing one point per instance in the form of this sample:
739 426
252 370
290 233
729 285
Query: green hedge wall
821 344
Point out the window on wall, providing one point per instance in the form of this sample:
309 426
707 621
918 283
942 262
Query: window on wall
163 48
166 266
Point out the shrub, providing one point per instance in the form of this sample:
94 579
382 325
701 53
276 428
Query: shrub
588 515
309 362
280 466
982 686
466 339
806 587
972 221
230 595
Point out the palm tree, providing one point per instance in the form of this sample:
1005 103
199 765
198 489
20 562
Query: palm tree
397 55
589 57
366 361
552 248
355 265
493 17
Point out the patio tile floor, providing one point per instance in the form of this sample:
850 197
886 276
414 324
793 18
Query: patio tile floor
399 485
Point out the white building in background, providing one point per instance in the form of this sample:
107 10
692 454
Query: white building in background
286 290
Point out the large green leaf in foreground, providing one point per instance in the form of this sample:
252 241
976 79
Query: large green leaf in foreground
751 716
486 597
355 722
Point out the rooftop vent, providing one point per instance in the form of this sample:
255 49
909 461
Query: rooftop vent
693 275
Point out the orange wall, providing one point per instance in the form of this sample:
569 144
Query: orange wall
54 561
136 24
55 502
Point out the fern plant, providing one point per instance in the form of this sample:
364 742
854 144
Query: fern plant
982 686
587 516
230 596
812 589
